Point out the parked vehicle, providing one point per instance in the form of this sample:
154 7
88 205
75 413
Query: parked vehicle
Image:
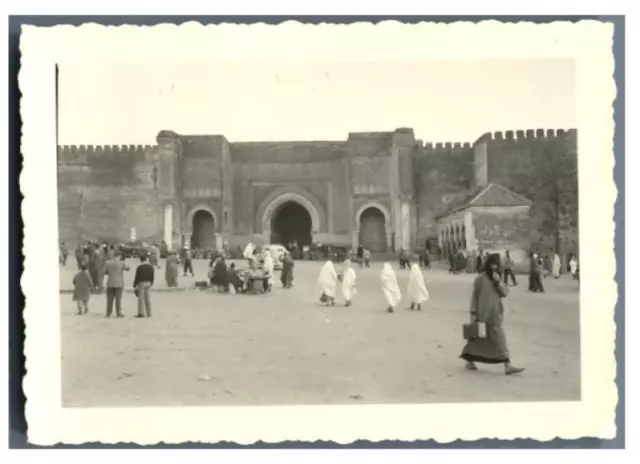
135 249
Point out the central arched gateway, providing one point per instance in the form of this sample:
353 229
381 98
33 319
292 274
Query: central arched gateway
289 215
291 222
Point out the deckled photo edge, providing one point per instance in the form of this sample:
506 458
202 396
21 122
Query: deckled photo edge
36 133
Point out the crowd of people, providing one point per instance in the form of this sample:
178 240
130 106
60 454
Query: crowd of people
102 267
486 307
258 275
540 267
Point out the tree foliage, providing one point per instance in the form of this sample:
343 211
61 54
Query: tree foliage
556 187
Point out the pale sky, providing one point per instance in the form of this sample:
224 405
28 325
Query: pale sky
441 100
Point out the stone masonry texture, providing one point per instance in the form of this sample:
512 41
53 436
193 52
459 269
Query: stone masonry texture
104 191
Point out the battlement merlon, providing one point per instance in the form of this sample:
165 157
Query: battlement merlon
444 148
79 154
526 135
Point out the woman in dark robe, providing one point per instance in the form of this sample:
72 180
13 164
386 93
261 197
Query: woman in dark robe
487 307
86 255
220 275
286 276
452 261
79 256
210 273
536 268
92 255
532 272
100 262
479 262
461 261
539 272
426 260
171 269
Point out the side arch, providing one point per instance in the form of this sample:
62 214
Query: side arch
283 195
374 204
356 230
188 220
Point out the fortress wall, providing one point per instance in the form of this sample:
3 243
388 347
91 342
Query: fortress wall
442 176
530 163
103 191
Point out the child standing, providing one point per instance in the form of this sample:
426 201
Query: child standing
82 285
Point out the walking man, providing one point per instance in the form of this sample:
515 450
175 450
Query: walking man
508 269
186 258
114 270
142 283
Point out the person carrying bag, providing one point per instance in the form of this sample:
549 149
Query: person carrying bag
486 339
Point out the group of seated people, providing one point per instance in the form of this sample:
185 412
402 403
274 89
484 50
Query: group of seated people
226 278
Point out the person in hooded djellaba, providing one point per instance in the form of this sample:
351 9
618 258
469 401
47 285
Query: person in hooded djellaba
171 269
416 288
327 283
348 284
487 307
390 287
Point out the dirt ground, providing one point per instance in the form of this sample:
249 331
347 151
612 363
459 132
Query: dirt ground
203 348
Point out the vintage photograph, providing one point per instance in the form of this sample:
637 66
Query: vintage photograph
260 235
395 233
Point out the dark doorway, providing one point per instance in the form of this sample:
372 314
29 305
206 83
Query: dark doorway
203 231
291 222
372 232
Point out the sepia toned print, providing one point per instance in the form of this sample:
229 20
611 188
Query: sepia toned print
201 200
332 253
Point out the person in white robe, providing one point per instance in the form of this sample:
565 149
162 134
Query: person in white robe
416 289
573 266
555 266
327 283
268 268
348 283
248 251
390 287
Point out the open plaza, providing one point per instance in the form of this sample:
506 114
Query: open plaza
202 348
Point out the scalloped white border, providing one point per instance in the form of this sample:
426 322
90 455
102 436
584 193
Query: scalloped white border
588 42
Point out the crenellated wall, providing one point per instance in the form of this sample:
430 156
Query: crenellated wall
531 163
443 175
104 191
80 153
